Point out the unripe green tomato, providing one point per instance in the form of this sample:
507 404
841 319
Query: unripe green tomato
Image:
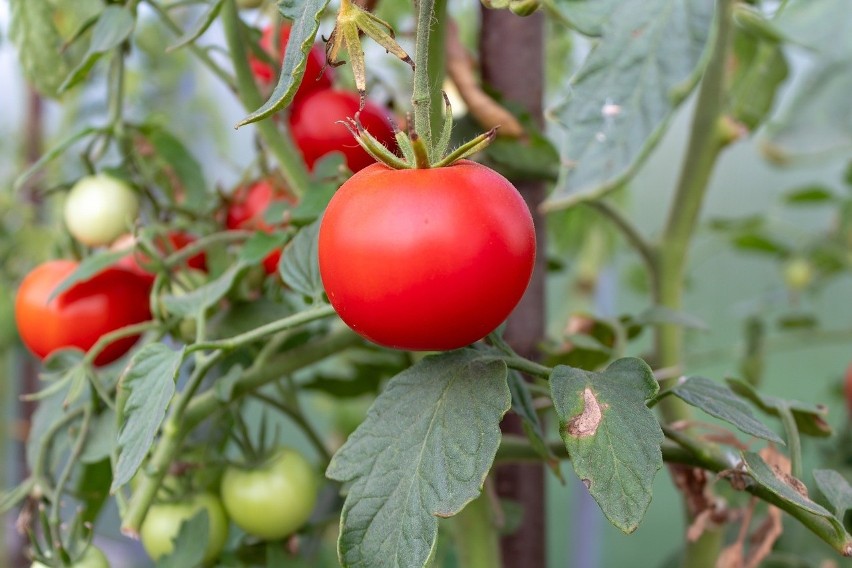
91 558
163 521
273 500
798 273
99 209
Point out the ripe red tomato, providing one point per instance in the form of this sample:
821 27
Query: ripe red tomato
314 79
247 208
426 259
140 264
79 316
315 125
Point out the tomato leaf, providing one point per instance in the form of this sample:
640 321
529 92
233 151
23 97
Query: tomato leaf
814 24
586 16
613 438
720 401
522 405
201 26
816 122
39 44
305 15
836 489
809 195
656 315
648 60
810 418
150 379
56 151
180 171
784 487
114 25
101 438
204 296
259 246
190 543
299 265
423 452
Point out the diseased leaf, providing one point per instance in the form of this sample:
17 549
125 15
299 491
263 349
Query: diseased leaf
780 484
299 265
810 418
305 15
114 25
720 401
423 452
836 489
150 380
649 58
613 438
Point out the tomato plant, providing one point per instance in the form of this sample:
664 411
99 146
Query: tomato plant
847 390
99 209
92 557
316 123
273 499
317 76
79 316
382 223
164 520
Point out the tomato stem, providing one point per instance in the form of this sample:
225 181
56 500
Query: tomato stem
421 98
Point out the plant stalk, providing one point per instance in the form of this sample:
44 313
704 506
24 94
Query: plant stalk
421 98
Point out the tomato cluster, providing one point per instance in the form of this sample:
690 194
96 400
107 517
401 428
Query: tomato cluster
269 501
318 109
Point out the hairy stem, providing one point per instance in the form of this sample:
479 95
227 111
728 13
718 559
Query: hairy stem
421 98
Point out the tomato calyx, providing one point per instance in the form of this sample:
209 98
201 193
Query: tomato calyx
352 20
416 153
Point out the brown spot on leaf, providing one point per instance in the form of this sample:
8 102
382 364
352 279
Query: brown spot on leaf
780 466
587 483
586 423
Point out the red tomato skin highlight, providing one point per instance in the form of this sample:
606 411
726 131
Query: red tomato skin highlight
314 79
316 129
431 259
78 317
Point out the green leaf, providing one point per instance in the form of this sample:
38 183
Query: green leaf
720 401
836 489
173 157
52 154
810 418
190 543
613 438
759 70
760 243
817 24
92 487
650 57
89 267
206 296
259 246
783 486
101 439
531 159
818 120
305 15
423 452
114 25
586 16
299 265
201 26
39 44
809 195
150 379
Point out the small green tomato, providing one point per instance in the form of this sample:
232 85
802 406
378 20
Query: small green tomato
163 521
99 209
273 500
798 273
